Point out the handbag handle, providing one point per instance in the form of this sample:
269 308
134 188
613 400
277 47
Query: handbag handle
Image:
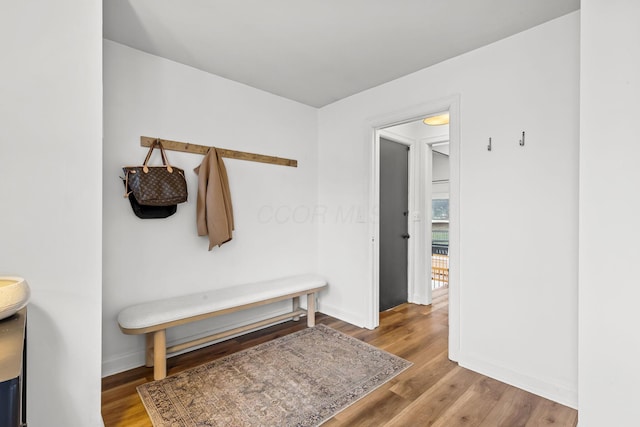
165 161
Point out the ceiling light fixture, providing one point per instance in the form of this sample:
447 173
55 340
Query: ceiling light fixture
437 120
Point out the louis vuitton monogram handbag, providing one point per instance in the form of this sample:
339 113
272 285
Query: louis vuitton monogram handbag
156 185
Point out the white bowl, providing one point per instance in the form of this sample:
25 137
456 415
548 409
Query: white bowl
14 294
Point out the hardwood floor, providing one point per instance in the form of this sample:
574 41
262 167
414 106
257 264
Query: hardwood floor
433 392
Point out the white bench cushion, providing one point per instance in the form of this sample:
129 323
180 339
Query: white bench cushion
154 313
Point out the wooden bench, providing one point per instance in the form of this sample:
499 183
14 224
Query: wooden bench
153 318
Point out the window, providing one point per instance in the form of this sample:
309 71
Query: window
440 209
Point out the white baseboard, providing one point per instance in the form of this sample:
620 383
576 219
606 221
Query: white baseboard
134 359
565 394
345 316
123 362
419 299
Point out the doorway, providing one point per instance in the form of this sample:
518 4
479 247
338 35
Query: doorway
419 215
438 195
414 211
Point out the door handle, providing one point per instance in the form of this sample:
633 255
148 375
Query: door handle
405 236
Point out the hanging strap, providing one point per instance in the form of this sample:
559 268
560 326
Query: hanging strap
126 185
165 161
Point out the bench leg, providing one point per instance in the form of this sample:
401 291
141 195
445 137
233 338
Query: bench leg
148 356
296 306
311 309
159 354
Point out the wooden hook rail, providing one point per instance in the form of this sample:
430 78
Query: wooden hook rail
146 141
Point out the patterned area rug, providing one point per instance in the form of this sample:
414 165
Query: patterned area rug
301 379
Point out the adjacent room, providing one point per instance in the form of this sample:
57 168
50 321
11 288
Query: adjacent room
380 213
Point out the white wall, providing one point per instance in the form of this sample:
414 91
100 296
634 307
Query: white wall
274 206
519 205
440 174
609 225
50 192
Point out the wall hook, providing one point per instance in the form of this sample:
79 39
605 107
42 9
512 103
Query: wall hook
522 140
489 146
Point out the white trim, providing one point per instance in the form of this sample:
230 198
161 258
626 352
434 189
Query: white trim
354 318
434 140
426 202
133 359
400 139
419 293
436 196
549 388
455 280
373 316
427 199
373 127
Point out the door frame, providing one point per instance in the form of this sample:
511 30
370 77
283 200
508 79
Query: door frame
427 192
373 128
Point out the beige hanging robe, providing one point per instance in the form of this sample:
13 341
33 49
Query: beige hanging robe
214 210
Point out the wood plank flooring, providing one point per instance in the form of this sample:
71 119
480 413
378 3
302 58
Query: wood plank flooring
433 392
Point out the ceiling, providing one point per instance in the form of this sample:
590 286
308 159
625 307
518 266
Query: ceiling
418 131
319 51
